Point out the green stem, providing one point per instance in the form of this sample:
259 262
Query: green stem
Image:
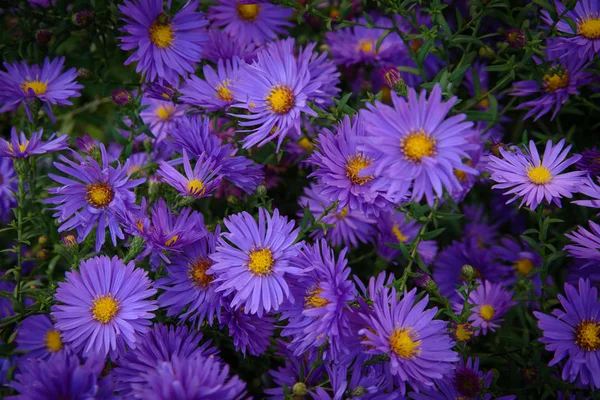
20 164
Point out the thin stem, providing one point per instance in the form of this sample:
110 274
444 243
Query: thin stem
20 206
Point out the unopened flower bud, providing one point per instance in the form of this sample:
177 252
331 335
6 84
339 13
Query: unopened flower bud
530 374
86 144
261 190
468 272
515 38
43 254
69 240
121 97
232 200
163 18
487 52
299 389
359 391
43 240
43 37
84 73
83 18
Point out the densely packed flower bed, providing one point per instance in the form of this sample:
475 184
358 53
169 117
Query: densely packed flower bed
329 199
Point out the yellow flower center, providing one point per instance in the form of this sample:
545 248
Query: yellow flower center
403 343
161 34
165 112
524 266
195 188
281 99
484 102
197 272
366 46
223 91
463 332
248 12
343 214
539 175
356 164
587 335
99 194
261 262
22 147
386 95
105 308
589 28
140 225
487 312
314 299
306 144
460 175
38 87
553 82
172 241
402 238
416 44
53 341
416 145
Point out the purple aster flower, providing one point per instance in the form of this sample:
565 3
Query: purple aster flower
21 147
534 178
161 116
562 77
8 186
394 228
61 377
275 90
22 83
340 171
590 161
91 195
418 144
193 134
164 47
586 245
252 259
104 305
296 370
591 189
179 379
583 42
215 91
38 337
358 44
188 287
491 301
250 333
199 182
161 344
348 227
575 333
222 46
256 22
522 258
419 347
448 267
325 291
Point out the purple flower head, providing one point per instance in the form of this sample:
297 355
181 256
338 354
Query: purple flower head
250 333
38 337
8 186
586 245
161 344
92 194
583 42
87 144
590 161
222 46
21 147
188 287
275 90
193 134
419 347
533 178
256 22
573 332
419 144
591 189
561 79
448 270
199 182
104 306
61 377
491 301
83 18
349 227
394 228
325 291
252 260
179 379
358 44
22 83
164 47
121 97
522 258
216 90
161 116
515 38
340 171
